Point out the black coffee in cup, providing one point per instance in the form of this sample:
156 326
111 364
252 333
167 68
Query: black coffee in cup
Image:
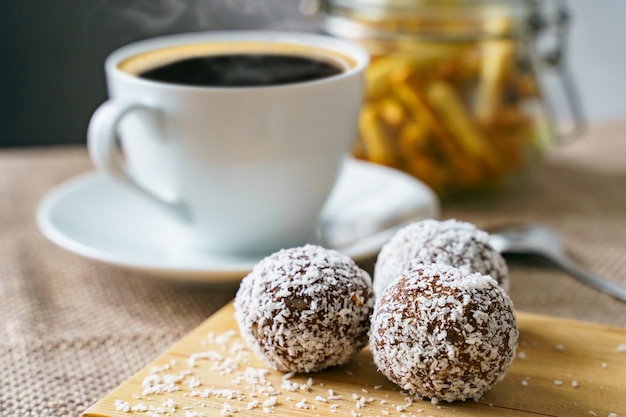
231 65
242 70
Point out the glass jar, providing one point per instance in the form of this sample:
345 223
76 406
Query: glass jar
456 89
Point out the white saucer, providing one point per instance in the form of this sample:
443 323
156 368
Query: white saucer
100 219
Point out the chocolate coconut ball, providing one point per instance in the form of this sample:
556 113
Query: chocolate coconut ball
305 309
451 242
442 332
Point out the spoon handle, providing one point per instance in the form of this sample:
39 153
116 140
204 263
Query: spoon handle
602 284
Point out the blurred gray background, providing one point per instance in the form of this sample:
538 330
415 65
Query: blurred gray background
52 53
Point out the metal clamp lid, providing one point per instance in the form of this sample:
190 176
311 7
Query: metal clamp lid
548 25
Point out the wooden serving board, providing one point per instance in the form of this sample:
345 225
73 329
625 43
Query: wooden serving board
563 368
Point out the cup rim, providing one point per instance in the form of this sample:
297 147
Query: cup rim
351 50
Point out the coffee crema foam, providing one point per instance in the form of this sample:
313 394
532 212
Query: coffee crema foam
146 61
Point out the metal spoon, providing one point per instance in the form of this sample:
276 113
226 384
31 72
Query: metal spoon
541 240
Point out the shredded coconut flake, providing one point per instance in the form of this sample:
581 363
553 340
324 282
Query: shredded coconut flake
122 406
450 242
304 309
270 402
425 319
228 409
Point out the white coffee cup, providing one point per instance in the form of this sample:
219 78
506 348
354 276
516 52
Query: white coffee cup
243 169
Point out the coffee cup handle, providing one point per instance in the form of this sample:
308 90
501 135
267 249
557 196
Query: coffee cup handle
104 150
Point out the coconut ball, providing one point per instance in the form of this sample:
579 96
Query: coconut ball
450 242
442 332
305 309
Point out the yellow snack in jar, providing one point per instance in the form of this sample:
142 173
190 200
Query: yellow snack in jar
497 64
392 112
496 68
456 86
453 114
443 149
375 144
467 134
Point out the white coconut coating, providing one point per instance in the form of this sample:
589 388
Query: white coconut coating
450 242
305 309
441 332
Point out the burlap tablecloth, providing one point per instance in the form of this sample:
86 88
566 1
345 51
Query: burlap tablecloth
72 329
